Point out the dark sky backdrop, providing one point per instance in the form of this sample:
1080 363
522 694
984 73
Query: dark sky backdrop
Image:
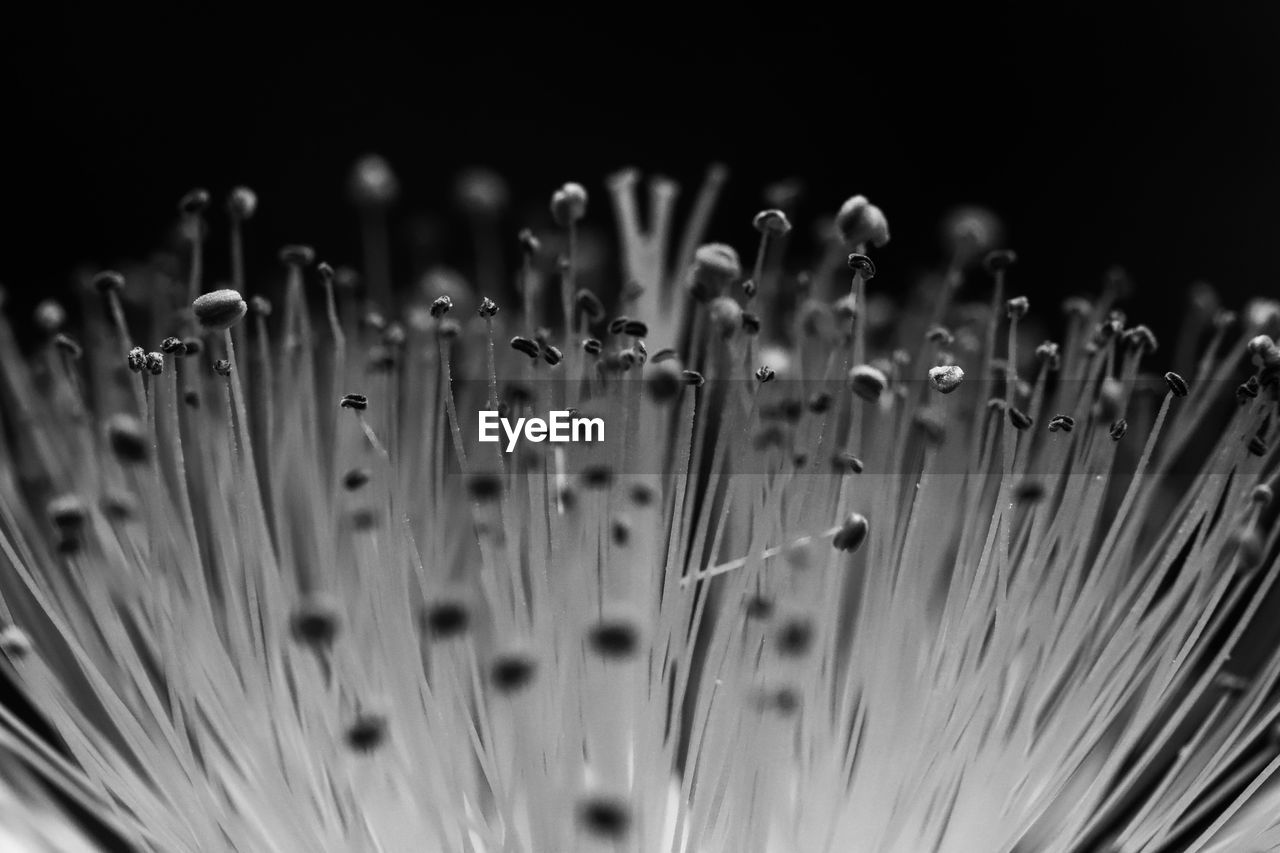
1147 137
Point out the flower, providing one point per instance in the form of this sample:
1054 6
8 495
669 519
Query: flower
297 605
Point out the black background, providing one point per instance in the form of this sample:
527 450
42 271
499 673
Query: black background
1146 136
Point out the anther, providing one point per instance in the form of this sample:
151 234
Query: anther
605 817
940 335
394 335
614 638
1110 399
820 402
930 422
355 479
372 182
692 377
127 438
481 191
297 255
222 367
260 306
1139 339
636 329
137 359
440 306
1118 429
1077 306
859 221
1257 446
862 266
1251 546
846 463
597 476
67 346
552 355
795 637
663 381
1177 385
771 222
119 506
765 374
568 204
642 494
867 382
1029 491
194 202
220 309
1262 495
242 203
529 244
1260 346
50 316
381 359
1049 355
173 346
155 363
446 619
1066 423
1017 307
1020 419
726 315
998 260
484 486
315 621
947 378
592 346
784 701
589 304
14 642
367 731
512 672
108 281
68 513
357 402
852 533
759 607
715 267
526 346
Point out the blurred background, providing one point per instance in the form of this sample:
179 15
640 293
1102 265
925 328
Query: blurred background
1146 136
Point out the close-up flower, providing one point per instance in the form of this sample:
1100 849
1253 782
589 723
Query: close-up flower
468 440
272 590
